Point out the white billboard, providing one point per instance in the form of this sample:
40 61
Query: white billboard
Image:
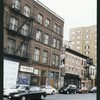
10 73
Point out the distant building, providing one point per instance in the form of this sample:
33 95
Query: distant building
76 69
33 36
84 40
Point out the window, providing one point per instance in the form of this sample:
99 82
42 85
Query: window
58 29
45 57
86 47
53 59
78 47
47 23
46 39
36 54
57 60
87 31
86 52
58 44
40 18
23 50
24 30
16 4
87 36
11 46
54 42
13 24
38 35
78 32
55 27
27 11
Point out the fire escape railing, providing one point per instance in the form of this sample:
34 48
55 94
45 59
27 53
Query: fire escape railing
29 19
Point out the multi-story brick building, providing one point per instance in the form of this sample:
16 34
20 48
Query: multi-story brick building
33 36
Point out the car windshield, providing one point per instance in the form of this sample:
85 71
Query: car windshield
35 88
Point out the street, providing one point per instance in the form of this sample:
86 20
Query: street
71 97
89 96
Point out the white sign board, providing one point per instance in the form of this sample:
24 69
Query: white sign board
10 73
26 69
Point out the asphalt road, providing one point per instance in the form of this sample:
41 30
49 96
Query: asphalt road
89 96
71 97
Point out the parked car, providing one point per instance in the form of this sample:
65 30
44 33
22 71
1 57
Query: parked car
68 89
49 89
93 90
15 89
33 93
82 90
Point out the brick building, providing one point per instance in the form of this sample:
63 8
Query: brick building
33 36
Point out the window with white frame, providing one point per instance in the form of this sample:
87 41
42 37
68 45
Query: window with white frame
78 32
87 31
58 43
58 30
27 11
55 27
16 4
46 39
56 60
24 30
47 23
86 52
38 35
78 47
45 57
13 24
37 54
23 50
40 18
54 42
11 46
86 47
87 36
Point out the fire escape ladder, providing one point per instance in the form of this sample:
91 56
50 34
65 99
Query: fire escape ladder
23 24
29 19
20 45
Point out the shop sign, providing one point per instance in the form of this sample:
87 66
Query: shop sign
26 69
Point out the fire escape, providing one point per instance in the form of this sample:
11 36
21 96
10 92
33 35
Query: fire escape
16 9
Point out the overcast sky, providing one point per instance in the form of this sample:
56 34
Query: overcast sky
76 13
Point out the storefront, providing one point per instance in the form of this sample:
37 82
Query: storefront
72 79
38 77
53 78
24 75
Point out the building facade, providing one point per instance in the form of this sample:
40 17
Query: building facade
33 36
84 40
76 68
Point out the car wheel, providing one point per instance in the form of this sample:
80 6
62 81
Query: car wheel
53 92
23 98
42 97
